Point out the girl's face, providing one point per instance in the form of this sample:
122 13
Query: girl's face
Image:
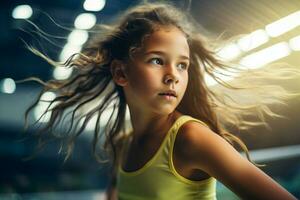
157 76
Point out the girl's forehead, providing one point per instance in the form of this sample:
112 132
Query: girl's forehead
167 38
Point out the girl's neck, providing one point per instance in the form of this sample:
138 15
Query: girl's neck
145 126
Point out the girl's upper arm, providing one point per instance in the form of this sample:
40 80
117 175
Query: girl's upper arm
211 153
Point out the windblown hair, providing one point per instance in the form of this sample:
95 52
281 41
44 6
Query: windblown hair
90 90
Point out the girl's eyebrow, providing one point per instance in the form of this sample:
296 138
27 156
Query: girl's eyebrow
163 53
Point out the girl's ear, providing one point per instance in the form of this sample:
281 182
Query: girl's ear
117 69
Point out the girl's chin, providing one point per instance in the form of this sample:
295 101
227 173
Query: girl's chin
165 110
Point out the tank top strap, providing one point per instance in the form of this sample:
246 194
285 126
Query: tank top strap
164 152
173 133
169 145
182 120
156 180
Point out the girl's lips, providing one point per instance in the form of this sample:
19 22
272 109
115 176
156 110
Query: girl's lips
169 93
168 96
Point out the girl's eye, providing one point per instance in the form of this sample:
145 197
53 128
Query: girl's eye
182 66
156 61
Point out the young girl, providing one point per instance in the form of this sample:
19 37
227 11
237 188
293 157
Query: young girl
153 61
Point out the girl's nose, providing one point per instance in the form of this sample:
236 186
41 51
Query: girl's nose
170 79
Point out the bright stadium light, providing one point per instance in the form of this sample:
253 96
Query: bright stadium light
78 37
68 50
283 25
295 43
85 21
229 52
22 12
253 40
267 55
61 73
94 5
8 86
43 105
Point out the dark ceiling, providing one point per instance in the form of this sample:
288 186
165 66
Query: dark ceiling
216 16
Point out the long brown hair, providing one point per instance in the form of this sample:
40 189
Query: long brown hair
90 90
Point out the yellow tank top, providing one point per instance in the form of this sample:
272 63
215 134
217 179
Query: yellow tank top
158 179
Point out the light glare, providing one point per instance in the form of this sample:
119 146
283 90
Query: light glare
253 40
69 50
265 56
85 21
94 5
78 37
61 73
283 25
295 43
8 86
229 52
43 105
22 12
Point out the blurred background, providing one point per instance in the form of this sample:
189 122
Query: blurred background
271 33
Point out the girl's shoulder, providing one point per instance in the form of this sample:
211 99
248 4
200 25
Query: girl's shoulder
192 133
206 150
196 142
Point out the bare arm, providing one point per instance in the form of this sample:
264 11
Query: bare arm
211 153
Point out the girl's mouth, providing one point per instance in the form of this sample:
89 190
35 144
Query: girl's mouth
168 95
